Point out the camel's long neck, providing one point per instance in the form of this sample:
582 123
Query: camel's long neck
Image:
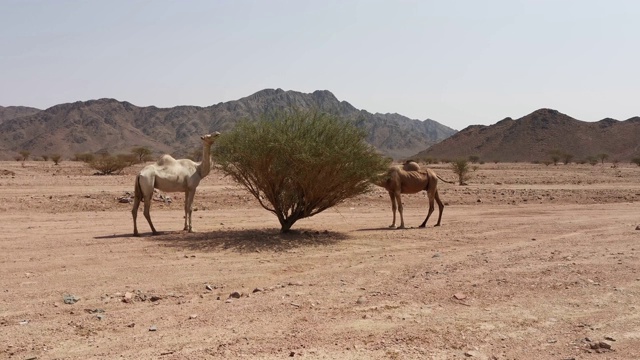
205 165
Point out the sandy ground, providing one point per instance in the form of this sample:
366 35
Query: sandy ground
532 262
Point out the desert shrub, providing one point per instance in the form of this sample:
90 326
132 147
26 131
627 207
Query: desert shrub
547 162
299 163
45 157
566 158
142 153
24 155
592 160
56 158
84 157
128 159
474 158
603 157
461 168
636 161
108 164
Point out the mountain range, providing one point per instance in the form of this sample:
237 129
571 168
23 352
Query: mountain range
536 136
109 125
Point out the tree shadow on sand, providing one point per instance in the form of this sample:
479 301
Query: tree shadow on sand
247 241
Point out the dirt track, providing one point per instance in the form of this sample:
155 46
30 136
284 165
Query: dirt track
532 261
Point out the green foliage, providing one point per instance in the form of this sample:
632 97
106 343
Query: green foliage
108 164
142 153
56 158
474 158
461 168
129 159
592 160
299 163
84 157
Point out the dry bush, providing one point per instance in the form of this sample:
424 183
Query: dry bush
108 164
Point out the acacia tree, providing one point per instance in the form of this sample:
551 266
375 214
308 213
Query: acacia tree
142 153
299 163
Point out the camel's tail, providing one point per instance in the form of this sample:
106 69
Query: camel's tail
447 181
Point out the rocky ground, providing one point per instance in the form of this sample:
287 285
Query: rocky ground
532 261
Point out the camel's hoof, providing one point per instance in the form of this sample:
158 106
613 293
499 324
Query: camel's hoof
155 233
392 226
136 234
401 227
436 225
422 226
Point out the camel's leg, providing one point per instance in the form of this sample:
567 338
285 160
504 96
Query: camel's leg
134 212
431 207
188 202
440 208
137 196
147 211
399 201
392 195
186 210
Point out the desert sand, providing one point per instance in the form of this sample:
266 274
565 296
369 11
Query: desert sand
531 262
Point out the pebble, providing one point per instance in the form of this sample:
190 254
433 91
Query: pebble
153 328
235 295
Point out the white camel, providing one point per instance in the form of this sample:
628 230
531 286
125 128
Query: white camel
171 175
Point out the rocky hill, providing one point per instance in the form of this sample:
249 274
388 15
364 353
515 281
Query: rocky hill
532 137
12 112
117 126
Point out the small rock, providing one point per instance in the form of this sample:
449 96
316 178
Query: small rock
361 300
609 338
235 295
258 290
208 287
100 316
638 227
70 299
292 354
436 255
153 328
24 322
228 301
128 297
131 325
295 283
155 298
193 316
459 296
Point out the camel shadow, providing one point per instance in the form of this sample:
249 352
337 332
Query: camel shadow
247 241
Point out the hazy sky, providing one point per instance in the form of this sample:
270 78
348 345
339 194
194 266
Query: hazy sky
456 62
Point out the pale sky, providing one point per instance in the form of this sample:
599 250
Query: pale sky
456 62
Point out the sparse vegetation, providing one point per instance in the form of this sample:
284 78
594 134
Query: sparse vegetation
142 153
299 163
108 164
24 155
603 157
461 168
566 158
636 161
474 158
84 157
592 160
56 158
45 157
555 156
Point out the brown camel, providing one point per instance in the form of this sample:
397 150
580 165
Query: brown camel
410 179
171 175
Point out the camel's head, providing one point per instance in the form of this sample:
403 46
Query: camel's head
210 138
